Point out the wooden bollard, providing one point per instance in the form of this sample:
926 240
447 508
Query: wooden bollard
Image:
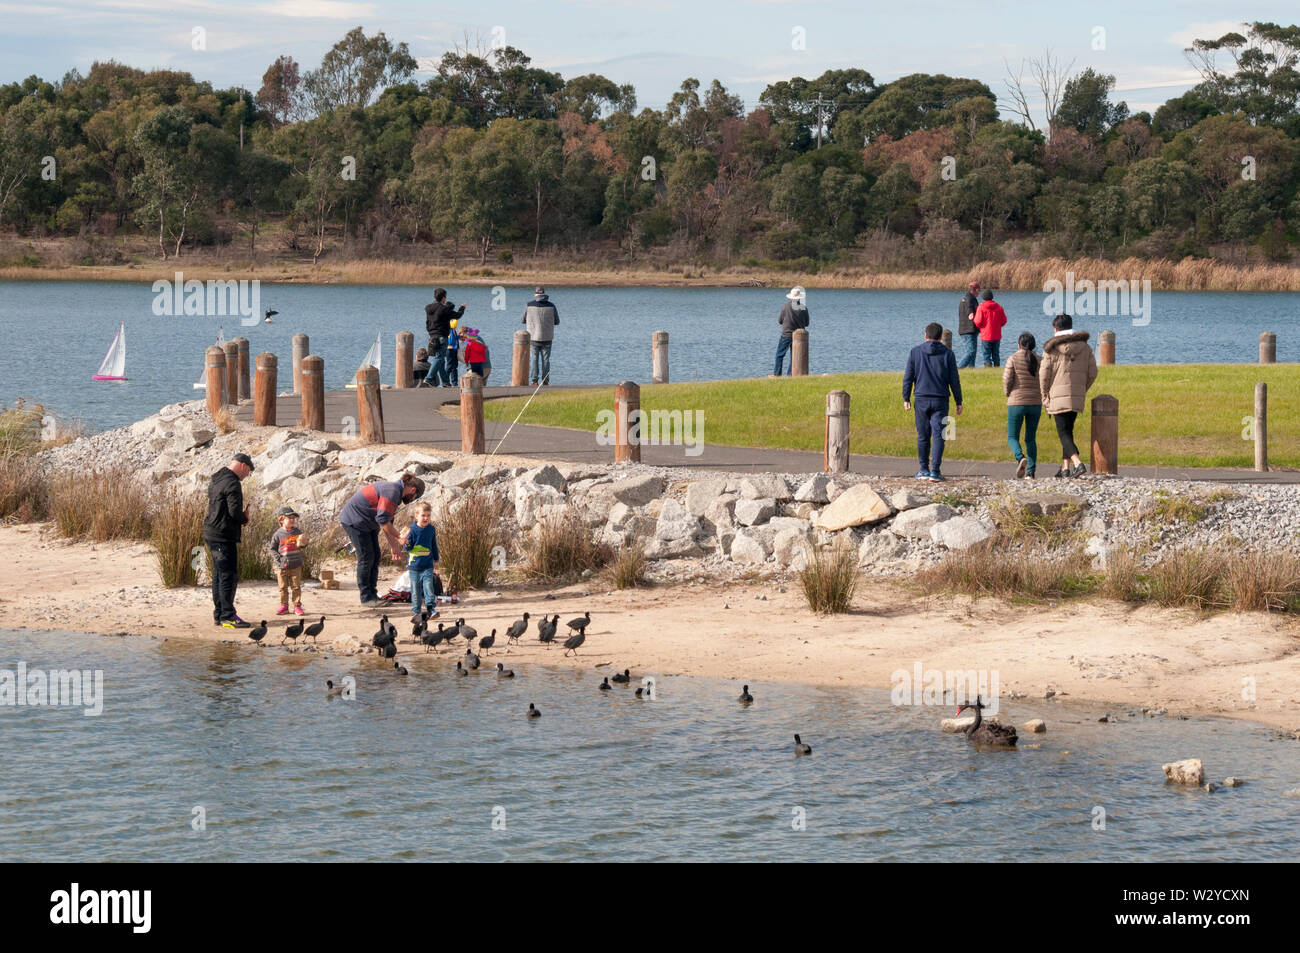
215 381
1106 348
312 372
301 348
519 361
627 427
370 406
1268 348
245 390
1105 434
799 353
1261 427
264 390
232 371
472 438
835 457
405 376
659 357
946 338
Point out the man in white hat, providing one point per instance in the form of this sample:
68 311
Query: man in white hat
793 317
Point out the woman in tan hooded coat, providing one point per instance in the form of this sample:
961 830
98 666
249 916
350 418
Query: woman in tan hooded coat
1068 370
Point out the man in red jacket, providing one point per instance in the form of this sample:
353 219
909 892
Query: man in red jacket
990 319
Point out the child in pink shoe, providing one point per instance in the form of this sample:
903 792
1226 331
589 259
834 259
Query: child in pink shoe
286 553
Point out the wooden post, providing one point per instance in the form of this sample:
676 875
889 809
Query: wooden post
1268 348
659 357
405 376
627 427
264 390
1105 434
472 437
1261 427
232 371
216 379
1106 348
519 360
946 338
301 349
835 456
799 353
312 372
370 406
245 391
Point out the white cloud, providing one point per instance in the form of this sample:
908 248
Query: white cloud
318 9
1205 31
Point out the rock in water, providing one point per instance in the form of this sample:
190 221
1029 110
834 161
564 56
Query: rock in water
952 726
1035 726
1188 771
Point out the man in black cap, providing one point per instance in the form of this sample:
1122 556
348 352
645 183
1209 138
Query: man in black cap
221 531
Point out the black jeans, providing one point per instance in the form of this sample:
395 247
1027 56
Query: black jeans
225 580
366 543
1065 430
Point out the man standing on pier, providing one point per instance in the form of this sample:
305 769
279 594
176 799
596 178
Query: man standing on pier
221 531
541 317
437 321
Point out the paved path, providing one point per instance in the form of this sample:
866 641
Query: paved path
411 416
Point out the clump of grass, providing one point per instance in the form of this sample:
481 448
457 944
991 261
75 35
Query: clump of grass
561 547
24 490
830 579
954 499
1264 582
1124 579
101 506
468 532
1165 507
20 428
1019 524
176 535
989 570
254 560
1189 577
225 420
628 569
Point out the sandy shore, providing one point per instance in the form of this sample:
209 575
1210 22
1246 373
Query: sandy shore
752 632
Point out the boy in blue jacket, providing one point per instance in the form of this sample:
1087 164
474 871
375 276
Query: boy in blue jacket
931 373
420 539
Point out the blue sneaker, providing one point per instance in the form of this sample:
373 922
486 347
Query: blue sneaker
922 475
937 477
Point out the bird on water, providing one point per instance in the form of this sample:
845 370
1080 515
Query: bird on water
332 690
533 712
503 672
988 733
745 697
623 677
605 686
800 748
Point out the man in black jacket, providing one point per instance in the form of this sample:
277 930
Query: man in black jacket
966 309
221 531
437 321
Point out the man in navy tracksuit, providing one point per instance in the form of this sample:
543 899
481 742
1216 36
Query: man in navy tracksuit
932 373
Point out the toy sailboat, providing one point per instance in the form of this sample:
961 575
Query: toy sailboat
373 357
114 366
203 378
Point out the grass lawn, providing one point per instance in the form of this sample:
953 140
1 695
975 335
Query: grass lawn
1186 415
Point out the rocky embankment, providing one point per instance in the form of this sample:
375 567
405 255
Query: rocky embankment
724 523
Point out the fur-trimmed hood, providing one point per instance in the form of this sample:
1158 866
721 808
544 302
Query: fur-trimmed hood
1056 340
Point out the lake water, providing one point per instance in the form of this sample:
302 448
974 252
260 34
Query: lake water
419 767
54 334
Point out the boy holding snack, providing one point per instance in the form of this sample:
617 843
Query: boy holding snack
286 553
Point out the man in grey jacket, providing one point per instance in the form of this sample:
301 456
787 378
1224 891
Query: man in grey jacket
541 317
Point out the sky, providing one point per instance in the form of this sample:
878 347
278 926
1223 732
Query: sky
653 44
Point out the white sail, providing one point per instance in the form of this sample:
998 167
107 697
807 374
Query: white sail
203 378
373 357
114 366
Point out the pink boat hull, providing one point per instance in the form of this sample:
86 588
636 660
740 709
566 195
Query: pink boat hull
97 377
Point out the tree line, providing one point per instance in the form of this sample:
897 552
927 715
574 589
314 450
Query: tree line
491 154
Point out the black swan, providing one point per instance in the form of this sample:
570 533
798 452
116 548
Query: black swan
988 732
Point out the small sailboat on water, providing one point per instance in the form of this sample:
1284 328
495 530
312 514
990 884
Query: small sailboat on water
114 366
373 357
203 377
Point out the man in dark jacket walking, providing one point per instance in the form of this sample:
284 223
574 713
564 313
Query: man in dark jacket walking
931 373
966 309
541 317
794 316
437 321
222 529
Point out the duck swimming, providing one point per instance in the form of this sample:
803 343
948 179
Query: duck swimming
988 732
745 697
533 712
332 690
605 686
800 748
623 678
503 672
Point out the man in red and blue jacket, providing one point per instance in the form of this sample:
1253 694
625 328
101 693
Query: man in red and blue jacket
369 510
